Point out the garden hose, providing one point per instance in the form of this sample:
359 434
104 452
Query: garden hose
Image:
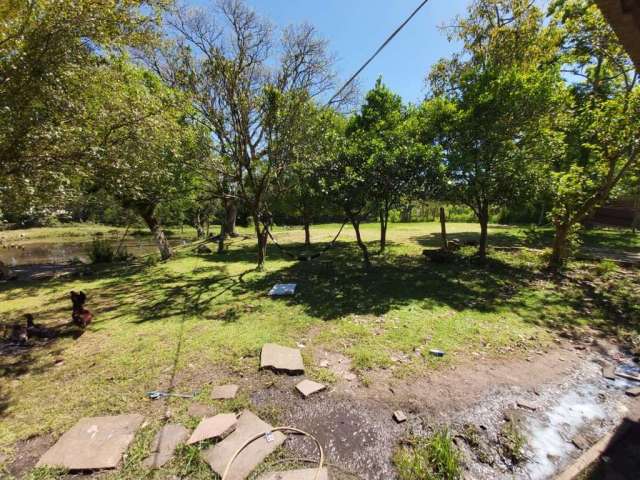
277 429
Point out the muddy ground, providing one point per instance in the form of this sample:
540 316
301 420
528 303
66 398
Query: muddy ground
556 398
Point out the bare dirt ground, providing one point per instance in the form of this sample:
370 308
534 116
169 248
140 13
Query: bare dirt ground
354 422
564 384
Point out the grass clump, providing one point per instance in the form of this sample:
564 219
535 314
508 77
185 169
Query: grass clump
433 458
188 463
512 443
46 473
102 250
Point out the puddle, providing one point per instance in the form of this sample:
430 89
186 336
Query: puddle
589 406
550 436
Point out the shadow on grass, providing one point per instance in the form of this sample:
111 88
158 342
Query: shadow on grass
332 286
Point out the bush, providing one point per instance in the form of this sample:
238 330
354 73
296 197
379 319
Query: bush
433 458
103 251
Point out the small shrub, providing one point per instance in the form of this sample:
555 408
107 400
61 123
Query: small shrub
433 458
103 251
606 266
151 260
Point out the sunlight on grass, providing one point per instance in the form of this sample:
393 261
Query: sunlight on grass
203 318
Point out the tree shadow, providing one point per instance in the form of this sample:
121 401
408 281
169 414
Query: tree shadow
621 456
337 284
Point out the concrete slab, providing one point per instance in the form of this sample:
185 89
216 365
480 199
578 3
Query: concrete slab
303 474
633 392
399 416
281 359
309 387
527 405
609 372
164 445
198 410
93 443
224 392
282 289
248 426
214 427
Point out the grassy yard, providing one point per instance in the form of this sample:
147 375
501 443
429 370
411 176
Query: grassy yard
201 319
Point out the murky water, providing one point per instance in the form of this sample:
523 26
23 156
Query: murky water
58 253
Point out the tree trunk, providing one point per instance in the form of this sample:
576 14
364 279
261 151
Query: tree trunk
384 221
307 233
199 226
484 228
560 251
443 228
541 217
5 273
221 238
361 244
231 214
405 214
147 213
262 236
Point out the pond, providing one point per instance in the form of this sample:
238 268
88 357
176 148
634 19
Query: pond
54 252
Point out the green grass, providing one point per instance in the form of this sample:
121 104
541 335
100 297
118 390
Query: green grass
512 443
202 319
432 458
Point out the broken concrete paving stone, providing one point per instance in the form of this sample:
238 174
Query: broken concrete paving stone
164 445
218 426
609 372
198 410
224 392
633 392
309 387
303 474
248 426
281 359
399 416
283 289
93 443
527 405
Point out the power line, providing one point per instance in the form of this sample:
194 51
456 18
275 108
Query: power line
380 48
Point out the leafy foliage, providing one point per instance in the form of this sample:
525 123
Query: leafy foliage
492 105
601 127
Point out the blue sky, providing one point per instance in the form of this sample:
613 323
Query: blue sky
355 29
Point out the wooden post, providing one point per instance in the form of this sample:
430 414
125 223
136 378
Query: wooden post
443 228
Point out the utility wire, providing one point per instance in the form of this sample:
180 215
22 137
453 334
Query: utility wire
380 48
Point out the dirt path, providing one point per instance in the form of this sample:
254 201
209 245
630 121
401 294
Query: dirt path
564 384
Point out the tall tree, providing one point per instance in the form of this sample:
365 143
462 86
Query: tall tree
493 104
395 161
602 128
347 177
142 141
46 47
250 90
